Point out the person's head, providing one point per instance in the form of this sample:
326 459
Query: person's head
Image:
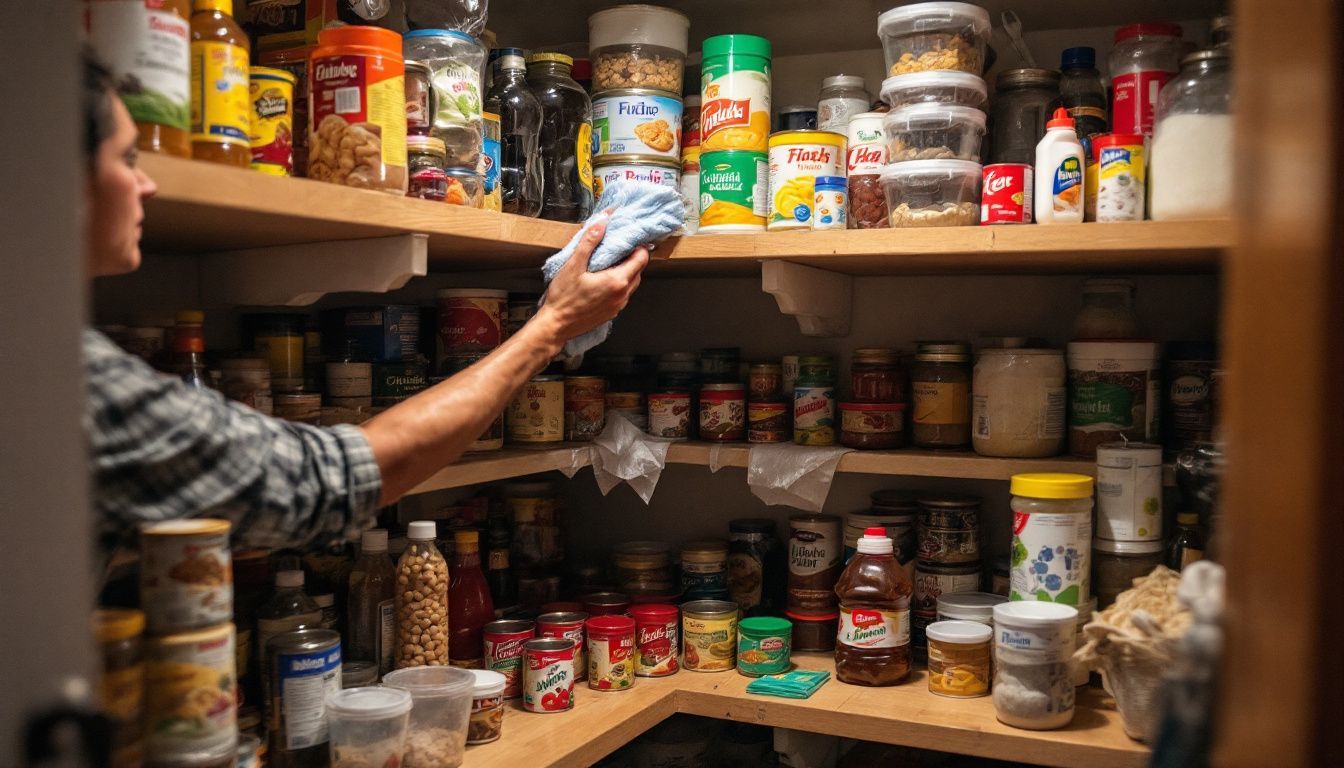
114 189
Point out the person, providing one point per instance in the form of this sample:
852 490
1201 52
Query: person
161 450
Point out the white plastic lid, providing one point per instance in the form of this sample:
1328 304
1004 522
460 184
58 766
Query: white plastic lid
488 683
875 541
1144 351
1127 547
482 293
638 24
421 530
288 579
926 17
959 632
844 81
936 78
374 540
1032 614
931 116
430 682
945 168
968 604
369 703
324 601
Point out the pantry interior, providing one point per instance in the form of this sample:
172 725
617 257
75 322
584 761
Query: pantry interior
1267 283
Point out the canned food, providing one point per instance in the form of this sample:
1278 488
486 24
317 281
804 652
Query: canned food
548 675
186 575
767 422
797 158
271 94
955 512
191 694
605 603
616 168
709 635
631 405
764 646
1119 161
733 191
611 652
504 641
815 562
735 93
670 414
764 381
585 407
303 408
569 625
723 415
948 545
704 568
395 382
639 122
656 645
1006 194
814 415
471 320
537 412
305 669
933 581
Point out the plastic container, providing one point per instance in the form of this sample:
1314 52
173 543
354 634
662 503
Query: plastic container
932 193
938 86
1033 676
487 707
1052 537
969 606
456 61
959 658
1018 405
933 132
1058 195
1113 393
873 643
361 147
930 36
842 97
735 97
1144 58
638 46
367 726
763 646
440 713
814 633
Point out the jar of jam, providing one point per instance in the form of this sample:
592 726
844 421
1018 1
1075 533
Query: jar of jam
875 377
940 387
426 156
420 102
872 426
764 382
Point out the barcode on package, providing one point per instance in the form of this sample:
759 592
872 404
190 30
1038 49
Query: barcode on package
980 410
1055 401
348 101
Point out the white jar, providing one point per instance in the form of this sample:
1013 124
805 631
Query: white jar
1058 193
969 606
842 97
1033 673
1051 555
1019 399
1129 491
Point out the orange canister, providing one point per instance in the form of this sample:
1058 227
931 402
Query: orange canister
357 109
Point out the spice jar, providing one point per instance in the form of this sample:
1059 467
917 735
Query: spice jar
121 687
1019 403
764 381
425 158
1119 563
940 388
872 426
842 97
1033 676
1023 100
420 102
1052 537
959 658
723 413
1192 148
422 600
874 377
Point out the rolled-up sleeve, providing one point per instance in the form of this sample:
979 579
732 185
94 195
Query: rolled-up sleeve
161 450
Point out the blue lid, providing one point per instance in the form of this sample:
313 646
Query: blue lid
495 53
830 181
441 33
1082 57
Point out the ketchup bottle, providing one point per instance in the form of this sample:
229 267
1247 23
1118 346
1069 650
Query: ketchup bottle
469 604
872 646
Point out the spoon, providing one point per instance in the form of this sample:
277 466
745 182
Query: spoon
1013 27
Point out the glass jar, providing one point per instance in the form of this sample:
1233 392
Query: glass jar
959 665
1082 91
723 413
764 381
704 570
644 568
819 369
425 157
757 567
420 103
121 686
1118 563
842 97
1144 58
279 339
566 138
1023 100
638 46
874 377
1190 171
1019 403
465 187
872 426
1108 310
940 387
456 61
1052 537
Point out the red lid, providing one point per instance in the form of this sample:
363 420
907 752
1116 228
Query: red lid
810 617
581 70
611 624
1135 30
872 406
875 530
1114 140
654 612
723 394
1060 119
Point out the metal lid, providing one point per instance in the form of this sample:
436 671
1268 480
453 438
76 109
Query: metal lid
552 56
1212 55
949 500
427 145
944 347
1027 77
843 81
419 66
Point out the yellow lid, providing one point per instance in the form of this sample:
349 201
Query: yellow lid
202 526
466 536
111 625
1051 485
568 61
190 316
271 73
223 6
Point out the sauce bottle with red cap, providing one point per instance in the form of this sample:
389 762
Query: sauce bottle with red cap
1058 197
873 642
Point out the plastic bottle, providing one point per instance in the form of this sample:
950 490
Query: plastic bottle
519 113
188 360
873 643
469 605
147 45
290 608
372 633
1082 91
221 115
1059 173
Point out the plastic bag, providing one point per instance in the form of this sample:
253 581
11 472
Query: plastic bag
624 452
465 15
796 475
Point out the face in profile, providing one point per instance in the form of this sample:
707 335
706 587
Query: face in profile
115 191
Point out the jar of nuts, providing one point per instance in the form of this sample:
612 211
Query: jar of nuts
422 600
638 46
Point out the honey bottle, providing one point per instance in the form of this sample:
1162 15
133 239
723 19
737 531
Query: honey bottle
220 114
872 645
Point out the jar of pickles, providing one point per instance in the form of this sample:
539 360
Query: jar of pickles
959 658
940 386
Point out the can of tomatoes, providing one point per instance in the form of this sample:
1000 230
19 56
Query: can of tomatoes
656 629
504 642
1005 196
548 674
569 625
611 653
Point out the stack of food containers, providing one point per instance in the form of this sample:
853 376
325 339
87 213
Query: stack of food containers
639 57
948 556
935 54
456 131
734 133
471 326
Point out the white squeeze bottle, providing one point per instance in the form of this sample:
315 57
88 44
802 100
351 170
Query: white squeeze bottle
1058 195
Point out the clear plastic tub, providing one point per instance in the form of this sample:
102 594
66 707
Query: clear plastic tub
367 726
638 46
440 711
456 62
928 36
933 132
1033 671
940 86
932 193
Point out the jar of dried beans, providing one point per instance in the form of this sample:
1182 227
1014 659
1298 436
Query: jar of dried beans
422 600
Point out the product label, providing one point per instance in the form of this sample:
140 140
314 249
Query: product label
345 92
1135 99
669 415
186 581
575 633
537 413
722 419
814 415
867 148
1190 401
220 111
505 656
733 188
873 628
940 402
704 577
1129 500
870 422
606 175
637 125
490 155
149 53
813 549
1066 186
191 694
711 644
272 128
656 649
793 171
1007 194
583 154
387 636
468 325
305 682
548 681
735 108
457 92
1120 184
611 662
1051 557
828 208
1050 644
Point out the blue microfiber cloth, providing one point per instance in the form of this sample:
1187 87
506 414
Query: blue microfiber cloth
644 213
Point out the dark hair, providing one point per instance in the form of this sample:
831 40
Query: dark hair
98 93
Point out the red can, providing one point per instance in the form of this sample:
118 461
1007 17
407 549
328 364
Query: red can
611 653
656 628
504 642
569 625
605 603
548 675
471 320
1005 196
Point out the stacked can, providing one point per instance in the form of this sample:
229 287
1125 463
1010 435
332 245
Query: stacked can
769 406
734 133
1128 542
472 324
947 558
690 160
816 559
802 163
814 401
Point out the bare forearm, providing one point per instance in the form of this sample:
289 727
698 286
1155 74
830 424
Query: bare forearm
415 439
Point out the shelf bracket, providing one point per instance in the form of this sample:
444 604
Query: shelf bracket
819 299
298 275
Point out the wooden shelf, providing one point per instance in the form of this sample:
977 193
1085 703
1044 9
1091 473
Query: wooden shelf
906 714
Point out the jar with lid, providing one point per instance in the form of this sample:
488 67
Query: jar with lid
155 53
1019 403
1119 563
1190 172
757 567
644 568
638 46
1082 91
1144 58
1052 537
1023 100
959 658
1108 310
842 97
875 377
465 187
940 387
456 60
704 570
279 339
566 138
121 686
1033 674
723 413
520 171
425 158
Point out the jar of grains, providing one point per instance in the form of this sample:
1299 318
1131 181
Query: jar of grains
422 600
940 387
1019 404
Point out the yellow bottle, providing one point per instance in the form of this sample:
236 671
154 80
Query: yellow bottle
220 117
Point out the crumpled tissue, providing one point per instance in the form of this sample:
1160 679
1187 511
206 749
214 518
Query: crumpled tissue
796 475
624 452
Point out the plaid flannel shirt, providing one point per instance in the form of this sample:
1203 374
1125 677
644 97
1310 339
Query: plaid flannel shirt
161 450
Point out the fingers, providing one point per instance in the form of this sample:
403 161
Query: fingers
588 243
629 269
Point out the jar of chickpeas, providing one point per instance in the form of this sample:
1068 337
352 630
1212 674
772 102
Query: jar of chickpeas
422 600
